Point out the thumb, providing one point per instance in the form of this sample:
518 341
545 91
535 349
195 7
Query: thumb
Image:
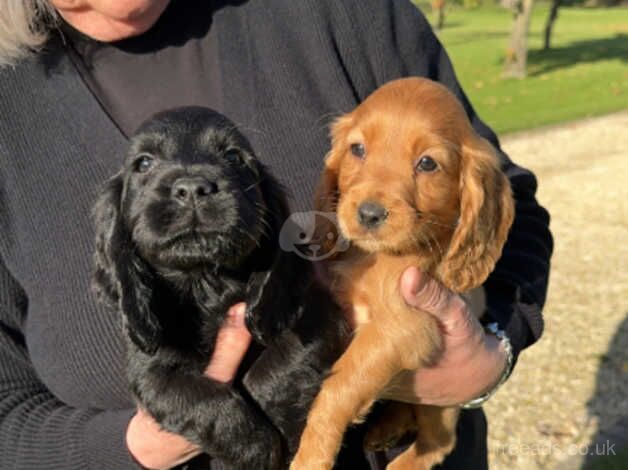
421 291
232 342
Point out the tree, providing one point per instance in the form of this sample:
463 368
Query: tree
438 6
553 14
517 52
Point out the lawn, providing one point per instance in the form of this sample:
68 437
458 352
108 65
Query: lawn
584 74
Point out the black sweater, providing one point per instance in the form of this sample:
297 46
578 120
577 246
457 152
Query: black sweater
285 68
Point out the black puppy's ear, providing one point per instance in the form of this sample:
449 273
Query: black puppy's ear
276 287
136 302
106 214
121 280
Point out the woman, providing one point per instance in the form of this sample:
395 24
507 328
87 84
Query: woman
281 69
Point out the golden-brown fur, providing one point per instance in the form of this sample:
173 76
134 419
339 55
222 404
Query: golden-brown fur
451 222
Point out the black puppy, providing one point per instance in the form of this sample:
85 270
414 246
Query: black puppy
187 228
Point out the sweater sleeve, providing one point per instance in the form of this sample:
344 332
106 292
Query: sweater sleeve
36 429
395 40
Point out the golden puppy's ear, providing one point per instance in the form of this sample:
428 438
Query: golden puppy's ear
486 214
326 196
327 193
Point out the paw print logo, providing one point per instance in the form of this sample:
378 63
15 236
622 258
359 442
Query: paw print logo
312 235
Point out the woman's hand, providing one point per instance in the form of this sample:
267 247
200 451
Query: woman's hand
157 449
471 363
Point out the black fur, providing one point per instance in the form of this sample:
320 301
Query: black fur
172 266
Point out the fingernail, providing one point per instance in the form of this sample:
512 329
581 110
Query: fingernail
236 315
421 281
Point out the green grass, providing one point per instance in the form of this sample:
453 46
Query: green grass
584 74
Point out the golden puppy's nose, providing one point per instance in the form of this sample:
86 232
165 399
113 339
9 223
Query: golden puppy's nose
371 214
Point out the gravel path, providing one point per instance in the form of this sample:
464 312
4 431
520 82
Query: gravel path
569 391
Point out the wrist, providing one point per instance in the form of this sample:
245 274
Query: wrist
496 365
496 362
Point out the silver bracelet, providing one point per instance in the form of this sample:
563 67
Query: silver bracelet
493 328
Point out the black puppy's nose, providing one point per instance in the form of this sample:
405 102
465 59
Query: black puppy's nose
371 214
190 189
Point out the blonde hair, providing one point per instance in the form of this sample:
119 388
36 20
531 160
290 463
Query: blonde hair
24 26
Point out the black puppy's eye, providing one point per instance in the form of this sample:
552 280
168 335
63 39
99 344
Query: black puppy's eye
233 155
426 164
358 150
143 163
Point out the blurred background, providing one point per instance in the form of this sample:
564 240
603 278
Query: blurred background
571 57
552 79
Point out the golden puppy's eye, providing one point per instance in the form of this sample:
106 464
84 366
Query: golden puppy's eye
358 150
143 163
426 164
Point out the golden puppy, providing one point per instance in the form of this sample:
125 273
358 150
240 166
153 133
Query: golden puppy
412 185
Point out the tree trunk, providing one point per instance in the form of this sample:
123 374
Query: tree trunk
553 14
438 6
517 53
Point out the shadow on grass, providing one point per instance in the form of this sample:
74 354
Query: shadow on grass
609 399
589 51
473 36
469 37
